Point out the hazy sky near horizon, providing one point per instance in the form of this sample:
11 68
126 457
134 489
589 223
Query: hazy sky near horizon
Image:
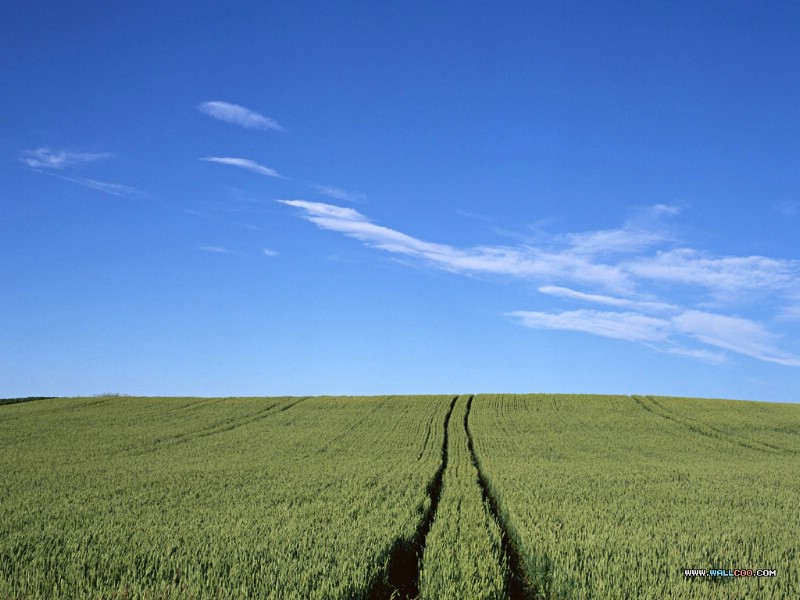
259 198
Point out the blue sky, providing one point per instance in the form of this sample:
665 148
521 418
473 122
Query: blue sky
360 197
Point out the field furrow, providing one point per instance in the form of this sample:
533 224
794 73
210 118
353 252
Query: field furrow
257 512
610 501
685 418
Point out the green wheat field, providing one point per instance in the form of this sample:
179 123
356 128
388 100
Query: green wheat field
440 497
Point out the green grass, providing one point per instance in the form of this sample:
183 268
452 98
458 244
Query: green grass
327 497
190 498
613 497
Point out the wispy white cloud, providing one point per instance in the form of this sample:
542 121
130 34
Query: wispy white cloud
242 163
475 216
626 240
708 356
657 210
643 305
268 252
215 249
47 158
601 258
238 115
631 326
57 163
114 189
735 334
339 193
631 263
500 260
721 276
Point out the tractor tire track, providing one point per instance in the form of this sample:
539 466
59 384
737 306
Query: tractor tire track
400 580
517 584
256 416
194 404
700 428
737 439
427 437
354 425
219 427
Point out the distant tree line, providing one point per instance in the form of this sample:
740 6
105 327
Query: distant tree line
26 399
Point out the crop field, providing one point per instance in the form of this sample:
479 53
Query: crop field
487 496
613 497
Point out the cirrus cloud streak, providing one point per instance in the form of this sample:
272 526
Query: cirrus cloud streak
242 163
734 334
627 268
238 115
47 158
